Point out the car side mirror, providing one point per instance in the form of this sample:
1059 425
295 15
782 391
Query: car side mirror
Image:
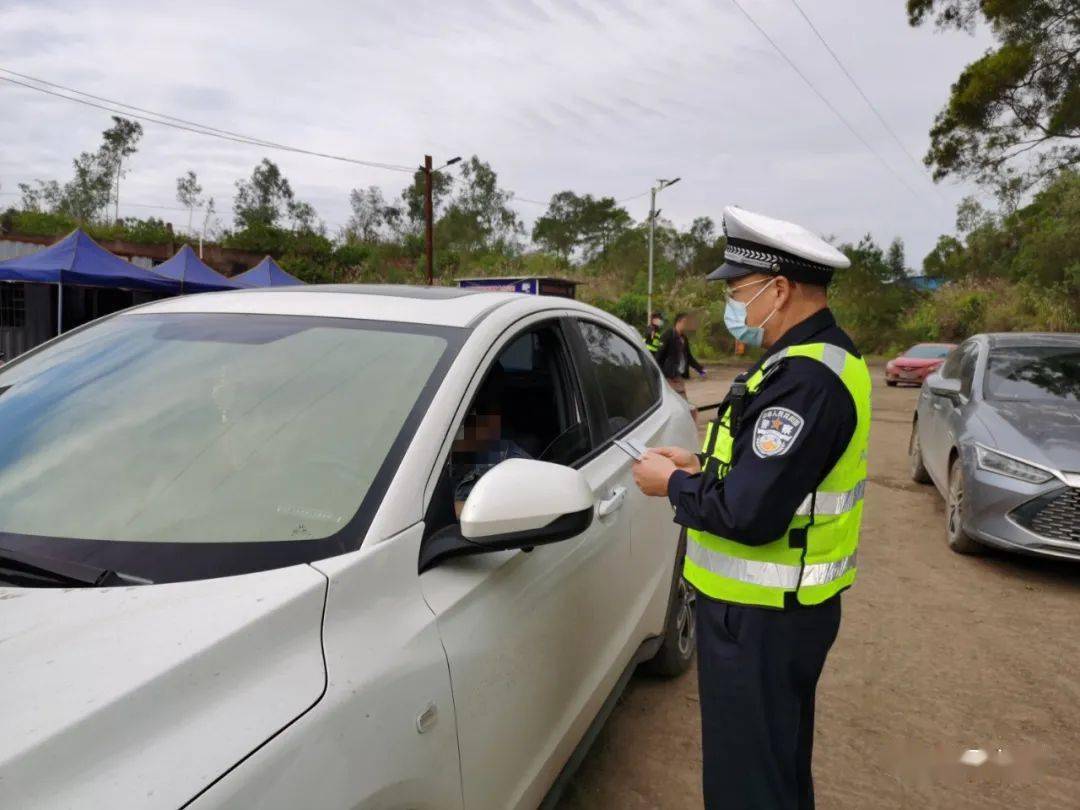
519 503
944 387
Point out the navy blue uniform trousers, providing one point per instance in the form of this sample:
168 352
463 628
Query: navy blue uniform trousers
757 674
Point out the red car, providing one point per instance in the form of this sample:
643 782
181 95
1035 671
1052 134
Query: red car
916 363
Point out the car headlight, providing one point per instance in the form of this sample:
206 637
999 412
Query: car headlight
1003 465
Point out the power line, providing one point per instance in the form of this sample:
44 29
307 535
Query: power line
855 84
164 119
826 101
548 202
132 107
198 129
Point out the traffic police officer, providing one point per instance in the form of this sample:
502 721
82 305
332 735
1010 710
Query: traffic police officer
654 336
772 509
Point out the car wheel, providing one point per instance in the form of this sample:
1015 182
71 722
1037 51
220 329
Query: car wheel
915 457
676 653
954 510
891 383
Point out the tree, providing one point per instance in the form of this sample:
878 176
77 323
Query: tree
699 250
575 222
442 184
46 197
1013 116
370 215
88 191
602 222
264 198
894 260
120 141
866 297
480 217
189 194
557 230
1037 245
943 260
303 217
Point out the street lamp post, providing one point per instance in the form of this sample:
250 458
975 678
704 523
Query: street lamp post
429 214
661 184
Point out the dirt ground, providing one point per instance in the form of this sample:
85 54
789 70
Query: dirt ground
937 653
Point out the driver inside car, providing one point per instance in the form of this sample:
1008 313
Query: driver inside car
481 444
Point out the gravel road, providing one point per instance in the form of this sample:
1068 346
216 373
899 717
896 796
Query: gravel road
937 654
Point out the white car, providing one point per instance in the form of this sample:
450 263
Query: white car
233 571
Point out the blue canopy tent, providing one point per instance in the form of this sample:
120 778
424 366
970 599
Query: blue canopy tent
194 276
266 274
77 259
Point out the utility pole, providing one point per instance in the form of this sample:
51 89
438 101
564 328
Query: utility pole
429 212
660 186
652 228
429 222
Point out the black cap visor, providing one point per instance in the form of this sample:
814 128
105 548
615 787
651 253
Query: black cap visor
731 270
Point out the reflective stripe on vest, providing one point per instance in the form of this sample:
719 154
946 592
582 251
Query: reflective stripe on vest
832 503
815 557
766 574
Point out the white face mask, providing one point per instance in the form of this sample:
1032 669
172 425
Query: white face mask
735 315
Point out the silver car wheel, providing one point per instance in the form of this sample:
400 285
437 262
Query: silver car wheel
915 458
956 500
954 512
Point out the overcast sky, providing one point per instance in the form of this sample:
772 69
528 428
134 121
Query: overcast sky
598 96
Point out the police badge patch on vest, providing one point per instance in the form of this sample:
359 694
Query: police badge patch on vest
775 431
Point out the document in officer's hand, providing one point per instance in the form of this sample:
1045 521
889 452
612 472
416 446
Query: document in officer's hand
635 449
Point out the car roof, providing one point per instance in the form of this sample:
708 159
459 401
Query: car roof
437 306
1011 339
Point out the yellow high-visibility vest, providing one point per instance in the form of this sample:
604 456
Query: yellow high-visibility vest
815 557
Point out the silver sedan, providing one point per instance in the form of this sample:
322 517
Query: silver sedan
997 430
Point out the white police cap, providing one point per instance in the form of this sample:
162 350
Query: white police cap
760 244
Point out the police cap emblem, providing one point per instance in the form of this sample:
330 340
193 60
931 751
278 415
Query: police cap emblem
775 431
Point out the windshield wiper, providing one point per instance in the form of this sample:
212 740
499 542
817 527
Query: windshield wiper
26 570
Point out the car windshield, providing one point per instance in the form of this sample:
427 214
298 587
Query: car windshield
1034 373
927 351
205 428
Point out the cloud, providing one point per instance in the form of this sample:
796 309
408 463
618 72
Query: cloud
601 96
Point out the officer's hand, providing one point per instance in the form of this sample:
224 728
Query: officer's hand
652 472
683 459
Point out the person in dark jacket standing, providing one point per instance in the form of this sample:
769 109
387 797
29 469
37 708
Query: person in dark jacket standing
772 509
674 356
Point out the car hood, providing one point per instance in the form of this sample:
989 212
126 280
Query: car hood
142 696
1046 433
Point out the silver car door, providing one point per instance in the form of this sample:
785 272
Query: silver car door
530 636
628 393
936 447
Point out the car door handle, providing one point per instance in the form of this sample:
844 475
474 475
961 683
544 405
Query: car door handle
612 503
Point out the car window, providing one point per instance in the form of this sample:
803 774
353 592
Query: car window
950 369
205 428
628 385
528 406
1034 374
967 368
926 351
